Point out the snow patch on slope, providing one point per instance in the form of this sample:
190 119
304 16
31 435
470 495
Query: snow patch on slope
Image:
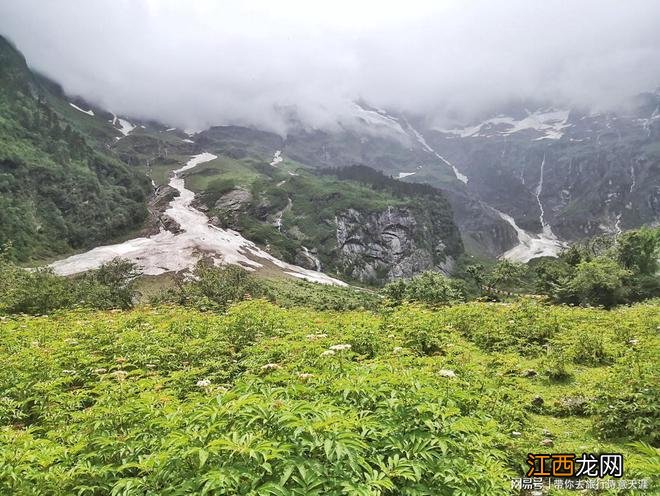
277 158
544 244
169 252
613 226
551 123
313 258
122 125
530 245
420 139
646 123
632 176
88 112
376 122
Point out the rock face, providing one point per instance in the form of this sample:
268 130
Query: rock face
580 173
169 224
234 200
308 258
230 206
157 206
393 243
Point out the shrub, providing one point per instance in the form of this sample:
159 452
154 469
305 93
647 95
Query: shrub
597 282
506 275
588 346
554 365
215 288
627 405
33 292
40 291
420 329
111 286
429 288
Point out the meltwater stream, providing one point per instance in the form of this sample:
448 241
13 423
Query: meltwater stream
169 252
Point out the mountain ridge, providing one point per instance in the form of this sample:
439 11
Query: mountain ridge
517 185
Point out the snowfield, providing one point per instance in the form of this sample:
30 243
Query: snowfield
375 122
544 244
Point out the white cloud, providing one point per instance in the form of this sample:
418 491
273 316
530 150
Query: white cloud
204 62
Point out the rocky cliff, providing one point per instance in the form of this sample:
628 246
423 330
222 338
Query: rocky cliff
390 244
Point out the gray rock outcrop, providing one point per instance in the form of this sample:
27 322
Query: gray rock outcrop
386 245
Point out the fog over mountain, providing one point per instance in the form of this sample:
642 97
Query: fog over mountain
192 64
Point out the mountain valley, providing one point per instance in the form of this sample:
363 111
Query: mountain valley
376 199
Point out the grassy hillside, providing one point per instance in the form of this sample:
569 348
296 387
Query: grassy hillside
57 191
266 400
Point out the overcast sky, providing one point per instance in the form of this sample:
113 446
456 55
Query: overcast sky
199 62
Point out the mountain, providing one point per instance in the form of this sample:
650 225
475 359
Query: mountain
57 192
80 177
364 225
568 173
388 142
380 196
522 183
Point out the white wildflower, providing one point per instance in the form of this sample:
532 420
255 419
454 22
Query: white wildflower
151 366
328 353
397 349
100 371
340 347
271 366
203 383
305 376
316 336
120 375
446 373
